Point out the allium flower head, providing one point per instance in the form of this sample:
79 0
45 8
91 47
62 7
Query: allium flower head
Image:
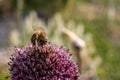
45 62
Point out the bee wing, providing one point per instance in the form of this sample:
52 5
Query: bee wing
35 28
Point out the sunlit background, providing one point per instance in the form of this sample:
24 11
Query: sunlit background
90 29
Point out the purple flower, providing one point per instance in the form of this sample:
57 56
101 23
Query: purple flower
46 62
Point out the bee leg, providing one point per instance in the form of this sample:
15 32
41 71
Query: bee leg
36 44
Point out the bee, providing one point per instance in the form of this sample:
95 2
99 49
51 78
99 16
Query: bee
39 37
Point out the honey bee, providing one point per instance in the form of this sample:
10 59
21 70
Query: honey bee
39 37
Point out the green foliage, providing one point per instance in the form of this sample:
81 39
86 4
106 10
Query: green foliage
44 7
3 76
101 31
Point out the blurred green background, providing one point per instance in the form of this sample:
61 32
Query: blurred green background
89 28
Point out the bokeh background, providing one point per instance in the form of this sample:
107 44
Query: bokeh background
89 28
